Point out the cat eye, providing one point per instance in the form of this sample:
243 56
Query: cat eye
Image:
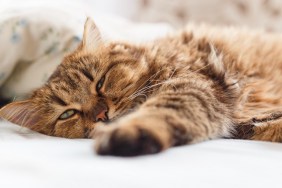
100 83
67 114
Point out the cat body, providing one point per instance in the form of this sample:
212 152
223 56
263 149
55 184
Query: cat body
199 84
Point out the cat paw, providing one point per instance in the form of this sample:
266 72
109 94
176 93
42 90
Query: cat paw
126 141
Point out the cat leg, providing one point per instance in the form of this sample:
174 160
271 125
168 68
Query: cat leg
268 132
169 119
266 127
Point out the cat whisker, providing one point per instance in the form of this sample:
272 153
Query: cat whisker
146 89
149 79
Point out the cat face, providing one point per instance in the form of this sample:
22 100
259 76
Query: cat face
97 82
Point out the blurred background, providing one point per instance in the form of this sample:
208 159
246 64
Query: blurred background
264 14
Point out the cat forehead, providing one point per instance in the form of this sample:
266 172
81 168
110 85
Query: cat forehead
78 68
75 65
62 91
78 60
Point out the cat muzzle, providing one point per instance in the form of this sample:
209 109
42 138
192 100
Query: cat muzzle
100 111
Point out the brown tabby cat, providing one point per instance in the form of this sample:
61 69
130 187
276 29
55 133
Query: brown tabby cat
201 84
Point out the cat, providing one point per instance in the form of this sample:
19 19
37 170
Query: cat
201 83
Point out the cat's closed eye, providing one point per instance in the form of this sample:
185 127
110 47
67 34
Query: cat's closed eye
67 114
100 84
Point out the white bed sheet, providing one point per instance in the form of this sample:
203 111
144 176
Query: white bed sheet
32 160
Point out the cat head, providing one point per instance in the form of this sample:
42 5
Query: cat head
97 82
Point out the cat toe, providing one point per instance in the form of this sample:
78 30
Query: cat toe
125 143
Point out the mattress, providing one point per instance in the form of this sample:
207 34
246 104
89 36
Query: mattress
32 160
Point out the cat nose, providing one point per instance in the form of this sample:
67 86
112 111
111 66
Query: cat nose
101 115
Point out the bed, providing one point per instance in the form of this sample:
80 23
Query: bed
32 160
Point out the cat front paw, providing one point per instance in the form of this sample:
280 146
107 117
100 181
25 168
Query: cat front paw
126 141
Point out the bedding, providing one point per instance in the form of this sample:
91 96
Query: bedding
30 160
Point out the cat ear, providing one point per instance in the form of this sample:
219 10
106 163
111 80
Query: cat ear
91 36
21 113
